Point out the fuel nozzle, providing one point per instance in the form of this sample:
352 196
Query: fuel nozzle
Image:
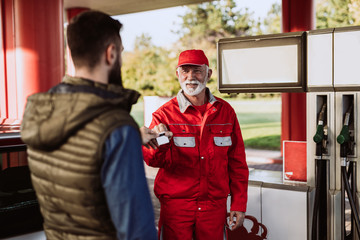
319 135
344 137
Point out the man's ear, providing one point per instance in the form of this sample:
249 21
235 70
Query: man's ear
209 73
110 54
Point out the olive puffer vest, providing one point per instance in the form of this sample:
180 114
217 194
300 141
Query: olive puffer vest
65 131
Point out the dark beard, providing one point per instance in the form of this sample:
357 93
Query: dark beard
115 74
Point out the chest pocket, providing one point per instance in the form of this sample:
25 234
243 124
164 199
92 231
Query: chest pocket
221 130
223 141
221 134
184 152
184 135
184 141
221 138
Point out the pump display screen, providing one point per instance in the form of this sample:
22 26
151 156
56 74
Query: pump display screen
262 64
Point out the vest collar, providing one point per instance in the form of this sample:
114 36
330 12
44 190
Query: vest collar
129 96
88 82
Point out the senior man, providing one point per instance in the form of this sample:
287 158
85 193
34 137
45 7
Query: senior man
203 163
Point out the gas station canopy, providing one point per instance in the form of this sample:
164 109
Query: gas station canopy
127 6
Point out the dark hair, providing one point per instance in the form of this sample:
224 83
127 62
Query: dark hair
88 36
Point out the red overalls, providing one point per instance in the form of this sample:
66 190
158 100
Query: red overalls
202 164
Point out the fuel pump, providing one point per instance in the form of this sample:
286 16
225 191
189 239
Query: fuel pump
348 175
319 221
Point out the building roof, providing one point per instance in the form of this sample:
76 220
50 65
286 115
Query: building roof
118 7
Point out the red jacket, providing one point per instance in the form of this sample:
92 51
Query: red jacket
205 159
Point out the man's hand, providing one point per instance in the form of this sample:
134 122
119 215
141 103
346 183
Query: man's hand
162 128
240 216
148 137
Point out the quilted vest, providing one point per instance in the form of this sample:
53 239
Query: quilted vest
68 185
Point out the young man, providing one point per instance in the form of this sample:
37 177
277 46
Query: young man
84 149
204 161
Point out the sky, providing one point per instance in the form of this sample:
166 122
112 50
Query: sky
159 24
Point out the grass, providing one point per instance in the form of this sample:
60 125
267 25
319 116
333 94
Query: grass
271 142
260 121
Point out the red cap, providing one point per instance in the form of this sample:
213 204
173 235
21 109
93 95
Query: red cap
192 57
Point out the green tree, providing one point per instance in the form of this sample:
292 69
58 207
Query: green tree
272 22
337 13
204 24
213 20
151 70
354 8
148 69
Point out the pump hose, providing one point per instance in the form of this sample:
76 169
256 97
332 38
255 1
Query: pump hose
318 213
350 170
319 174
350 197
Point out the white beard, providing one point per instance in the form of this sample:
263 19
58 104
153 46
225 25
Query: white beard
193 91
